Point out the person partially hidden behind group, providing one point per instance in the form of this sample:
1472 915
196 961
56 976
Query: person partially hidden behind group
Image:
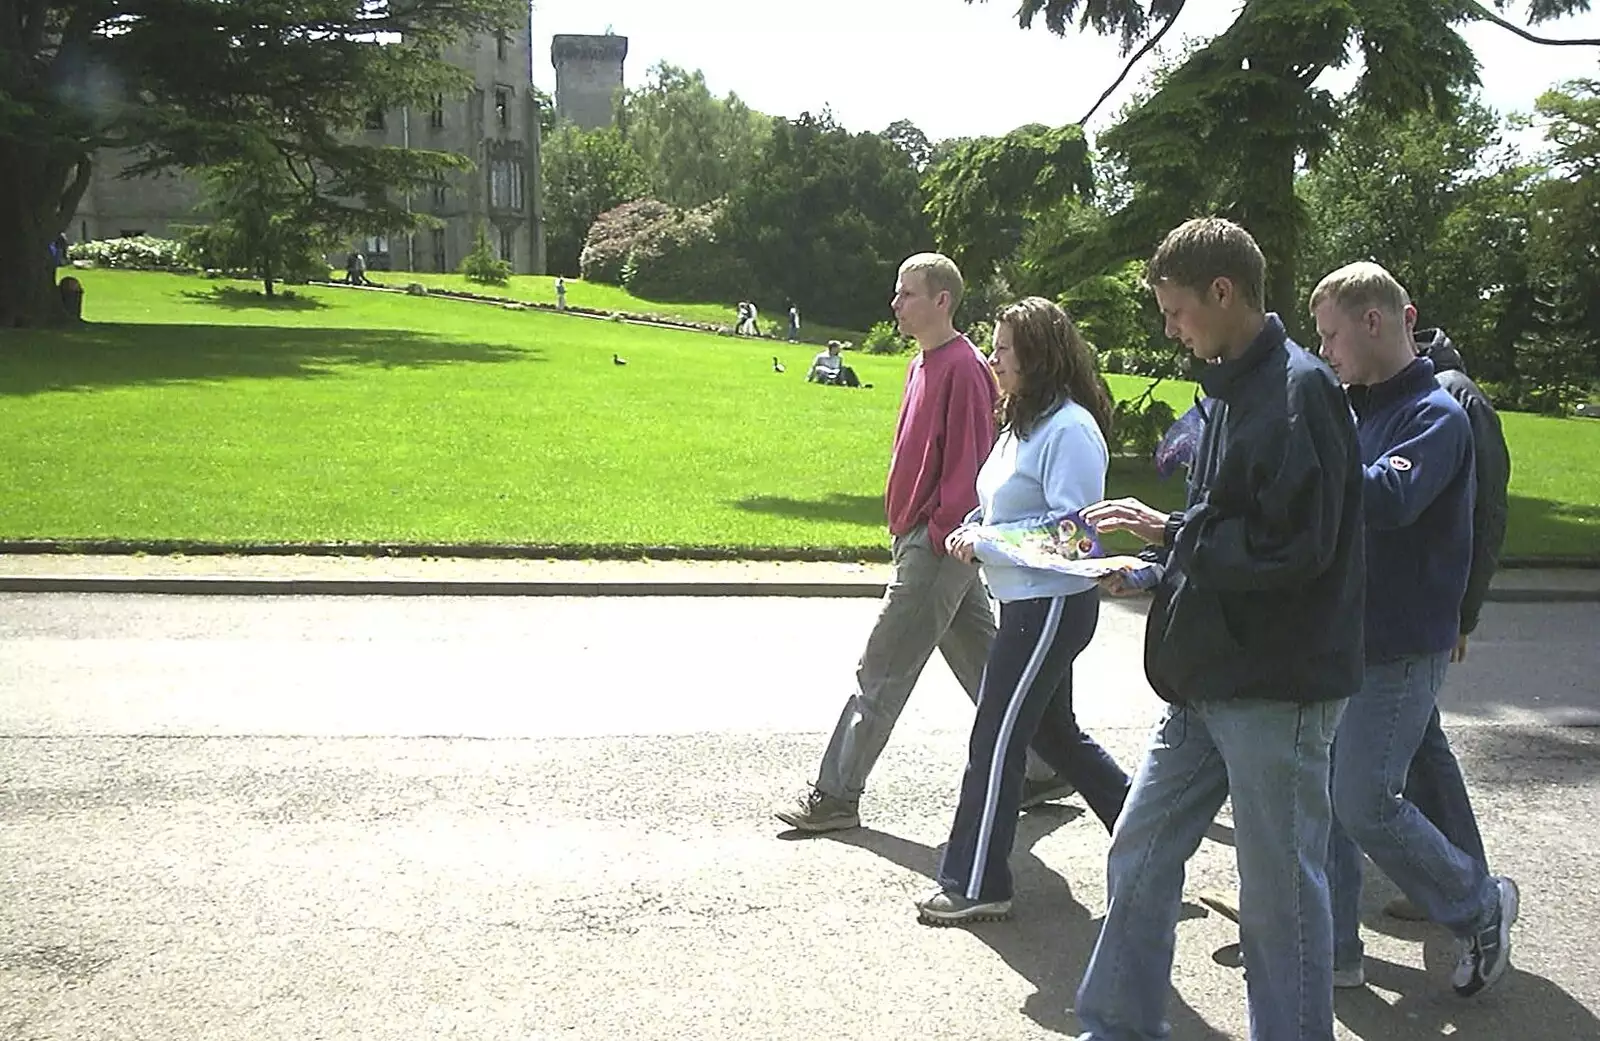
828 368
1050 460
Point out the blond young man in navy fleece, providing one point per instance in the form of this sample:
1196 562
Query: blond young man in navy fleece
1418 491
934 600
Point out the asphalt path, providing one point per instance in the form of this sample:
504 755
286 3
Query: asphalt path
532 818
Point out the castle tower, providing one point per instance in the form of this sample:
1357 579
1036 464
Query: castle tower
588 78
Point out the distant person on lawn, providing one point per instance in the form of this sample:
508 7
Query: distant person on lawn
355 269
747 320
827 367
933 600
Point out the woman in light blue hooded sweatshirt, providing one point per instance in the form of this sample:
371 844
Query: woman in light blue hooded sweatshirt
1049 460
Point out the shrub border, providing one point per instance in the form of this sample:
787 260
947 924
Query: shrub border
536 551
627 317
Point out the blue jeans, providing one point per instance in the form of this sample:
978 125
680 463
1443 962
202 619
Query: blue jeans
1435 786
1271 757
1379 737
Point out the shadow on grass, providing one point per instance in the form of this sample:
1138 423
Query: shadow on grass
865 510
1135 477
118 355
1535 527
235 299
1544 527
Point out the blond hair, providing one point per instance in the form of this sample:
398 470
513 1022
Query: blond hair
939 275
1200 251
1360 287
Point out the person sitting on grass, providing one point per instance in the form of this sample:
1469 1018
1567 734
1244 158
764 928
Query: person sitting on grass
828 368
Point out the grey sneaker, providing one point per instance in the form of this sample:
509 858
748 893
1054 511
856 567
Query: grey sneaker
1049 789
1486 955
816 811
942 907
1350 979
1404 910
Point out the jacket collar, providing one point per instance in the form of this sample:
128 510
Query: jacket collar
1220 379
1434 345
1414 379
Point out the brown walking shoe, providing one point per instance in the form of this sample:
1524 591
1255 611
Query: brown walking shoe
817 811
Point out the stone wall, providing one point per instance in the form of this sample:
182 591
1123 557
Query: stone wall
495 124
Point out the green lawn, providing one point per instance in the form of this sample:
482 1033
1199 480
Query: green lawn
1555 485
541 289
189 410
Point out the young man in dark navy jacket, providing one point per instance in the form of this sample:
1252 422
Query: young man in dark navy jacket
1254 638
1418 491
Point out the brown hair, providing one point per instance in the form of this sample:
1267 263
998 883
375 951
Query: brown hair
1054 362
1199 251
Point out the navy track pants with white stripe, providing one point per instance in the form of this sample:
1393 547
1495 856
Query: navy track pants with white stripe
1026 697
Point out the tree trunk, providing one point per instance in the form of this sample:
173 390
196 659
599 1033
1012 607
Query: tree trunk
36 202
1272 213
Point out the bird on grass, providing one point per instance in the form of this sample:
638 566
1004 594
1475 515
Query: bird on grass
618 360
777 366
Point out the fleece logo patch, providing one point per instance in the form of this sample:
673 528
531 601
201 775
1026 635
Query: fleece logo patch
1400 462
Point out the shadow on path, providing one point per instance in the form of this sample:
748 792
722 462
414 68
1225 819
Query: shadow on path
1402 1003
1050 937
1521 1005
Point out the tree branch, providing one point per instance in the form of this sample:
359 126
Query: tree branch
25 32
1149 45
1487 15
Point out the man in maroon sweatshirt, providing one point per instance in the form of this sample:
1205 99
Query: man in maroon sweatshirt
945 432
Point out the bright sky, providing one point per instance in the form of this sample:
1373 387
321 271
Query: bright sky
952 68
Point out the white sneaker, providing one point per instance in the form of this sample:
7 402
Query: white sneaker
1486 954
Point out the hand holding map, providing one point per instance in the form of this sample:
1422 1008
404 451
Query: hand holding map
1064 544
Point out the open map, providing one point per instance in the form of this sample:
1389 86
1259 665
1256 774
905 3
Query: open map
1064 544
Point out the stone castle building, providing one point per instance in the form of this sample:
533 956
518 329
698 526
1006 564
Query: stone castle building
495 124
588 78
